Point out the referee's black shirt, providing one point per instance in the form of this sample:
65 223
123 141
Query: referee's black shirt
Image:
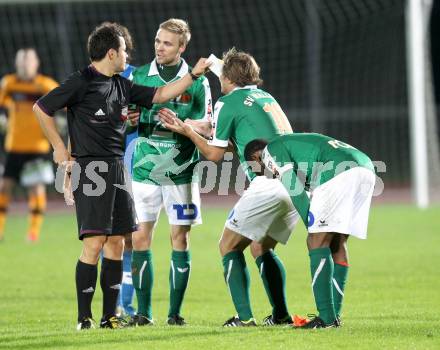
97 106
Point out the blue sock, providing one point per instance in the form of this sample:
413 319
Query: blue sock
127 289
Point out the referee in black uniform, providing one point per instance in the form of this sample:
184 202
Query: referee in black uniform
97 99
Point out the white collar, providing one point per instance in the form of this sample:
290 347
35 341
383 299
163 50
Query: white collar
245 87
249 87
182 71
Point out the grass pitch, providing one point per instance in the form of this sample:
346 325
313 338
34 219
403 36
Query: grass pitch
392 298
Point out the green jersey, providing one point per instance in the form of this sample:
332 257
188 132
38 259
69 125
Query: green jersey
305 161
245 114
163 157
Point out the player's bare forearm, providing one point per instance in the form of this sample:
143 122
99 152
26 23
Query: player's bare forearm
172 90
212 153
202 127
48 126
178 87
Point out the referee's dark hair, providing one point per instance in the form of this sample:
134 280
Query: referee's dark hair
103 38
252 147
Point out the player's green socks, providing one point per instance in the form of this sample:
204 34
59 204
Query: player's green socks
321 266
179 275
142 275
273 274
339 278
238 281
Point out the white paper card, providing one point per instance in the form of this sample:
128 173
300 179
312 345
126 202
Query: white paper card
217 65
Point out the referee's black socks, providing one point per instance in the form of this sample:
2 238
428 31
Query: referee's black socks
85 276
111 278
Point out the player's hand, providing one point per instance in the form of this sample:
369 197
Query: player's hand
201 67
203 128
133 116
170 121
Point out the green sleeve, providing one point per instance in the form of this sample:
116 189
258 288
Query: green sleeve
297 193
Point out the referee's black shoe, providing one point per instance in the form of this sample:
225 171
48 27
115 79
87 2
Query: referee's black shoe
85 323
113 322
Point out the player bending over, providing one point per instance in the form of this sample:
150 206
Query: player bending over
340 180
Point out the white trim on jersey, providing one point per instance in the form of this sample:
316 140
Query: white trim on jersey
270 163
208 101
182 71
247 87
214 141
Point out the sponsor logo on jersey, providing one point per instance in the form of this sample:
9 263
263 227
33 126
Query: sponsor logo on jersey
184 98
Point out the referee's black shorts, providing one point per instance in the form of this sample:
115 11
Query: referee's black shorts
103 203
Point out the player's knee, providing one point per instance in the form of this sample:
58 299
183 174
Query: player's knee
319 240
141 240
340 251
226 246
257 249
180 237
223 248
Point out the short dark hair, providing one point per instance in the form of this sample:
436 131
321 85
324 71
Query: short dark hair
103 38
129 42
252 147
